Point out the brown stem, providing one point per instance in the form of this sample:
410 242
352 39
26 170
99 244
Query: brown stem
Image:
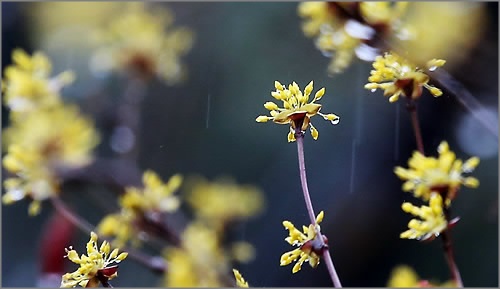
153 263
448 249
450 259
411 106
299 136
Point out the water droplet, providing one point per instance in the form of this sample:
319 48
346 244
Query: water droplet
432 68
373 90
336 121
17 194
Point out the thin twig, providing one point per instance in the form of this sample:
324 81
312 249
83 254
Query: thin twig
466 99
299 136
450 259
411 106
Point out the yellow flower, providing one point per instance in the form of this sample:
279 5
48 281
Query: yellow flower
403 276
28 85
240 281
309 248
443 174
121 227
199 261
136 203
43 142
297 110
145 41
397 76
432 221
34 181
155 196
98 265
346 29
223 201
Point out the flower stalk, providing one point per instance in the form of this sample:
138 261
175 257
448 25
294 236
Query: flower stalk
411 106
299 136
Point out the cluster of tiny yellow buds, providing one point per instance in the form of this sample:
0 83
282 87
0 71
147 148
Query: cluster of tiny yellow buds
443 174
297 110
397 76
156 195
309 248
432 221
240 281
98 263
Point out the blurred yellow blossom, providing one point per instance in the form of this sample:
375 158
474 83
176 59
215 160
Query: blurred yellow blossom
297 110
346 29
403 276
309 248
28 85
144 40
45 141
200 261
98 265
223 201
443 174
432 222
120 226
398 76
240 281
155 197
450 29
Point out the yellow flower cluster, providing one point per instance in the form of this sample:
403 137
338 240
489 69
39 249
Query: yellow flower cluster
45 135
346 29
155 197
403 276
240 281
144 41
397 76
443 174
436 181
309 249
203 257
223 201
97 265
297 110
199 261
28 85
432 221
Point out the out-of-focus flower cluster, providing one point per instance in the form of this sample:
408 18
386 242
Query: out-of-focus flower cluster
297 110
404 276
44 134
138 205
345 29
143 39
204 257
201 255
435 181
98 265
